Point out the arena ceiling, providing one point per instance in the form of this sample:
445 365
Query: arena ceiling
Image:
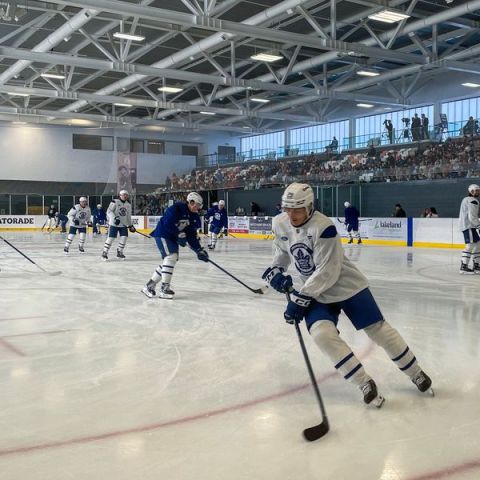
205 48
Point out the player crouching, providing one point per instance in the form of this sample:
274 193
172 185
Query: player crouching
177 227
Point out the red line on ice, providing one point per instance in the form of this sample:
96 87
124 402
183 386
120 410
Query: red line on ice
10 347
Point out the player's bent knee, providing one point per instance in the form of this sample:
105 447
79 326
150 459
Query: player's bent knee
172 258
381 332
323 333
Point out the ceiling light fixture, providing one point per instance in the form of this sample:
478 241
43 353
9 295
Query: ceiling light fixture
388 16
128 36
15 94
266 57
364 105
470 85
260 100
367 73
58 76
170 89
123 104
208 113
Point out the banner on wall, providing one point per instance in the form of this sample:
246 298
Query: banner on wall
238 224
388 229
261 225
127 172
152 222
138 222
363 226
22 221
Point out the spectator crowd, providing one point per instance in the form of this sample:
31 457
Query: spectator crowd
451 159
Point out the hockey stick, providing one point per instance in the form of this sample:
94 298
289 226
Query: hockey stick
260 291
44 225
29 259
142 234
318 431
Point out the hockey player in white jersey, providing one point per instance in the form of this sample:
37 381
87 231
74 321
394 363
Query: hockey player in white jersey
51 220
330 283
119 216
78 216
469 223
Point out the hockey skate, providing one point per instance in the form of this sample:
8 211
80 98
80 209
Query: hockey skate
65 250
423 382
359 241
465 269
120 254
476 268
370 394
149 289
350 241
81 249
104 256
165 289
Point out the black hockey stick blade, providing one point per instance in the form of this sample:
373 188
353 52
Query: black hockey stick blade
318 431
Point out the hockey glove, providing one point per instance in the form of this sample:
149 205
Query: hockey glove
225 232
132 228
297 307
117 221
182 239
202 255
76 222
277 280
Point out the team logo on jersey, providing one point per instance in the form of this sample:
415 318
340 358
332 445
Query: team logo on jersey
82 215
122 211
182 224
303 256
217 216
284 238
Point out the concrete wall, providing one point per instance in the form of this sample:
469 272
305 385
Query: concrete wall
43 154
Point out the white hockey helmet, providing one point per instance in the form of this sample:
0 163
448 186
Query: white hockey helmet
195 197
221 203
99 206
123 192
298 195
347 204
83 199
472 188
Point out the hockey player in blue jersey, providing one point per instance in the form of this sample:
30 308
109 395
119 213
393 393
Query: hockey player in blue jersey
99 218
177 227
62 221
218 219
351 222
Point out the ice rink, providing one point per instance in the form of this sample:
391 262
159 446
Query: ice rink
99 382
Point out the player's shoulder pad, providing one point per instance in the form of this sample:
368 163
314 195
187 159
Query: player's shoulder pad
329 232
474 202
324 225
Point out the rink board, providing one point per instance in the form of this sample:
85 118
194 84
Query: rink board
416 232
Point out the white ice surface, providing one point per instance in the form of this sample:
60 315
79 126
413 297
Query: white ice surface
99 382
